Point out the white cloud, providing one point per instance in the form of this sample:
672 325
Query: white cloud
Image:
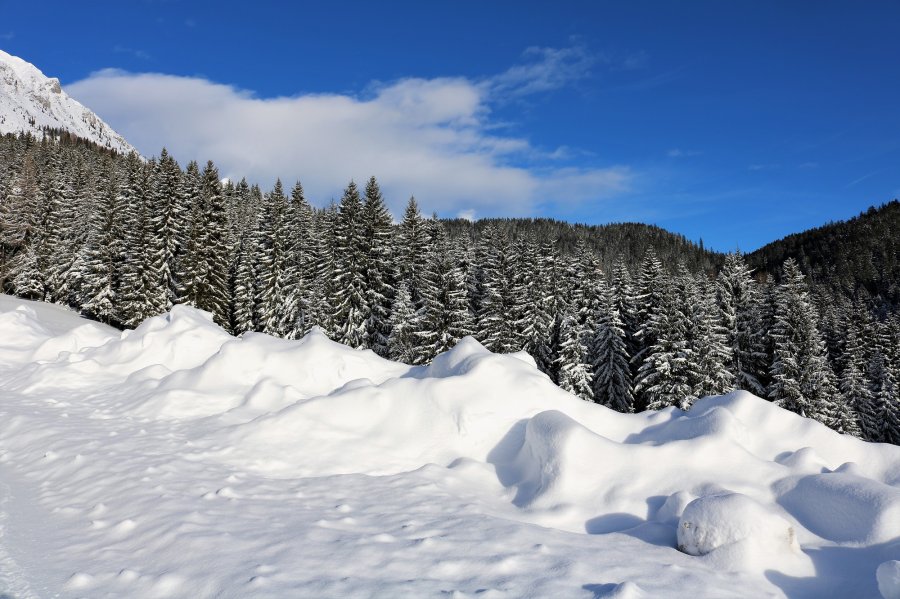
432 138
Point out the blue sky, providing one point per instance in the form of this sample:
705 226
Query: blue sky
737 122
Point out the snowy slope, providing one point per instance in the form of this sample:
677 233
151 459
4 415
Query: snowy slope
177 461
30 101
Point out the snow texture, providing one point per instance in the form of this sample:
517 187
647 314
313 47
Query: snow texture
30 101
177 461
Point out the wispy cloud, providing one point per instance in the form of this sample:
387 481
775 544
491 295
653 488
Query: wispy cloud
763 167
810 165
863 178
543 69
140 54
679 153
435 138
7 36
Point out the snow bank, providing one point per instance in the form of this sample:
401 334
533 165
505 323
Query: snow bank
740 484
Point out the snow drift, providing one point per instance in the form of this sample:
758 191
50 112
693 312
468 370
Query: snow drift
751 492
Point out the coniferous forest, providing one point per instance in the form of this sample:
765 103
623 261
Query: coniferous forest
629 316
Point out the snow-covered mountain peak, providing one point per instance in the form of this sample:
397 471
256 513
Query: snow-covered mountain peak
30 101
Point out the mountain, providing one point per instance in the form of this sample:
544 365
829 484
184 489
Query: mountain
860 255
34 103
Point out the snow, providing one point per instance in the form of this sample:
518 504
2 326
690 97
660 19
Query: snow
177 461
30 101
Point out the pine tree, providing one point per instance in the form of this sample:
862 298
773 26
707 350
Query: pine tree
802 381
854 384
188 242
612 382
402 342
650 296
204 282
170 217
714 354
300 269
140 281
667 375
574 371
500 321
737 298
104 252
412 250
445 317
271 295
541 266
378 270
350 308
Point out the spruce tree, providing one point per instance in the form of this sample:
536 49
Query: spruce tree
350 308
273 241
444 317
612 382
802 381
574 371
737 297
402 342
500 323
378 267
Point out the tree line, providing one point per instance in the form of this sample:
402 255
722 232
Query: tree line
121 239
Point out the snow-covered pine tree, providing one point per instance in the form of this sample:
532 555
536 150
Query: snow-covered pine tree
737 297
412 250
103 254
188 261
323 294
709 342
854 384
574 371
539 269
379 268
649 298
273 242
140 283
211 284
170 218
402 341
500 321
58 224
667 374
350 309
802 381
624 295
884 384
612 382
299 273
242 269
444 317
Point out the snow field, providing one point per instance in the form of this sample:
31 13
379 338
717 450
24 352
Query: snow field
175 460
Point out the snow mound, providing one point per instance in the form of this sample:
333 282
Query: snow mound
736 527
843 507
888 575
740 485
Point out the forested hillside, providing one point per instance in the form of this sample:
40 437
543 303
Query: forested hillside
629 316
858 256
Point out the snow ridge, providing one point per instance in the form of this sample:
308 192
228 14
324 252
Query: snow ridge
30 101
